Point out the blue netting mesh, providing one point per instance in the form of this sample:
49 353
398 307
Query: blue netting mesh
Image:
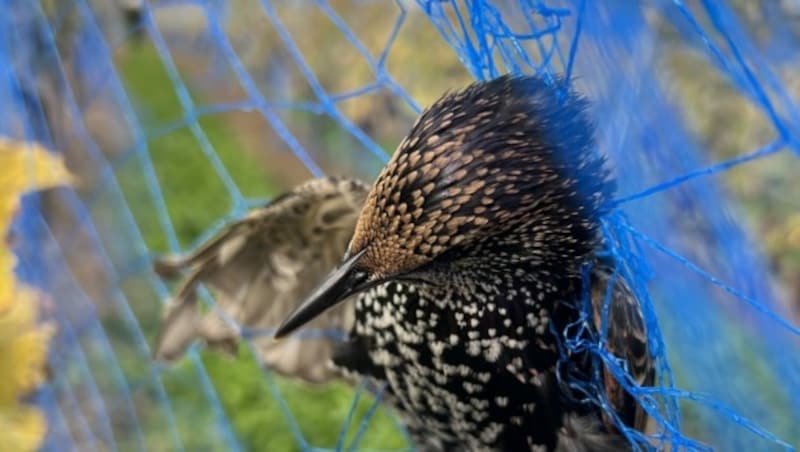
180 115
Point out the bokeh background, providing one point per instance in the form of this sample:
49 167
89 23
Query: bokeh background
176 116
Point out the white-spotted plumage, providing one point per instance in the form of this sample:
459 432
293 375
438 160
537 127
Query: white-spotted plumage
483 219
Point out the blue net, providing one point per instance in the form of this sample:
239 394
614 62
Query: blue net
179 116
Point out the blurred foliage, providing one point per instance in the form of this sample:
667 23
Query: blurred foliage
728 124
23 339
731 125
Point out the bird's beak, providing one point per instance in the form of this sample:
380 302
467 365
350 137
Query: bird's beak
343 282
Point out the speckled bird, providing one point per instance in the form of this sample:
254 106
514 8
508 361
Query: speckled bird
464 262
466 266
258 269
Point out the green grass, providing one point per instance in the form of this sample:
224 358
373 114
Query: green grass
195 199
191 185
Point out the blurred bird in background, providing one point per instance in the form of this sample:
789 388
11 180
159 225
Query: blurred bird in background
259 269
455 277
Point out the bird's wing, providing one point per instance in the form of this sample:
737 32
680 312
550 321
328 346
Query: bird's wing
626 338
258 270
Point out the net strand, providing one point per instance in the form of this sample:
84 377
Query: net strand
128 315
481 35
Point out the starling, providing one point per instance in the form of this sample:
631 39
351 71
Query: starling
463 266
258 268
466 265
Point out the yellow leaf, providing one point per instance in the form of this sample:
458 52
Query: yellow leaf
28 166
25 167
6 283
23 429
23 339
23 346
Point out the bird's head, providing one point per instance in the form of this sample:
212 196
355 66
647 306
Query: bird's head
504 168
